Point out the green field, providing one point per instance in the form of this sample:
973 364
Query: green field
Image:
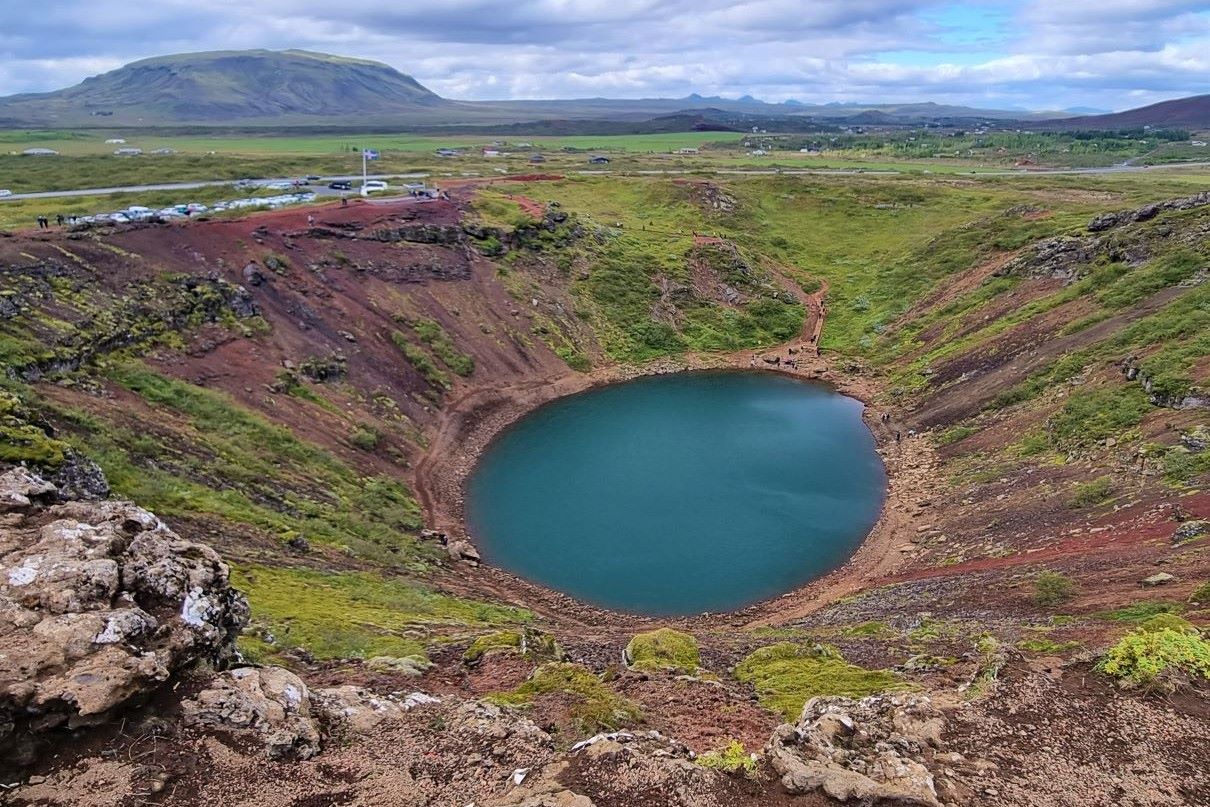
76 144
86 161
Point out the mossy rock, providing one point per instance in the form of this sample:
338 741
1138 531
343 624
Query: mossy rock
663 649
21 441
1168 622
527 642
787 675
406 665
596 707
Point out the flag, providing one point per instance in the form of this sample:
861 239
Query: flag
370 154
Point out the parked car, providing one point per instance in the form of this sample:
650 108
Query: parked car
5 192
340 185
373 185
313 177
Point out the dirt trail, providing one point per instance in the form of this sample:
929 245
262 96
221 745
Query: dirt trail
529 206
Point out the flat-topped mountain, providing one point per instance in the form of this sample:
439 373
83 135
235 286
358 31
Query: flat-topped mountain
225 86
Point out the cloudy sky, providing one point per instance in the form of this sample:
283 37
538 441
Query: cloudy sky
1039 54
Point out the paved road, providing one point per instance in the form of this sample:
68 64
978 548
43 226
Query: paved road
320 186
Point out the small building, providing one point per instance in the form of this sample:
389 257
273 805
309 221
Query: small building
686 150
115 141
447 152
537 158
1199 143
598 159
39 152
165 151
491 152
127 152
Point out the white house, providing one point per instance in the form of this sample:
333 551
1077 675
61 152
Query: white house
40 153
115 141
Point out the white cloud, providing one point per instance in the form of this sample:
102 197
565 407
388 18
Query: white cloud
1112 53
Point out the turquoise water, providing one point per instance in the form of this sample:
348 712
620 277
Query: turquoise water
679 494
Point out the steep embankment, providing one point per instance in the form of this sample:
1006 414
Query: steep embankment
307 395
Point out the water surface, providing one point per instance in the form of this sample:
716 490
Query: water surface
681 493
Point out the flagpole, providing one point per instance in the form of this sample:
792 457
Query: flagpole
364 174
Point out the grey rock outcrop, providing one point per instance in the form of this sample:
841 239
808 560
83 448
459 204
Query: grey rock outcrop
99 604
867 751
1191 531
270 702
359 710
1107 221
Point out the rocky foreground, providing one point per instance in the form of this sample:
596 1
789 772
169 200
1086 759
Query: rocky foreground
120 684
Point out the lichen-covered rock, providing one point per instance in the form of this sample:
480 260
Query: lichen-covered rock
358 709
463 550
866 751
99 604
20 488
1191 531
80 478
270 702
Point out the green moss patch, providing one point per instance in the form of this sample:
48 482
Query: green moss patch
1088 494
21 442
873 629
1052 588
1167 622
787 675
1142 611
596 706
419 358
663 649
353 615
1042 644
731 758
1159 658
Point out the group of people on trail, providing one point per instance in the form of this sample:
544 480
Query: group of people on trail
60 219
885 418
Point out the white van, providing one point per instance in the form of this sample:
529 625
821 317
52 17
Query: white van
373 185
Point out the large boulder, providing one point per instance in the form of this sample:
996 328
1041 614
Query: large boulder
867 751
99 604
269 702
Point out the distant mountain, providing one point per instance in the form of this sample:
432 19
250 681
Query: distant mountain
1184 113
295 88
225 87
